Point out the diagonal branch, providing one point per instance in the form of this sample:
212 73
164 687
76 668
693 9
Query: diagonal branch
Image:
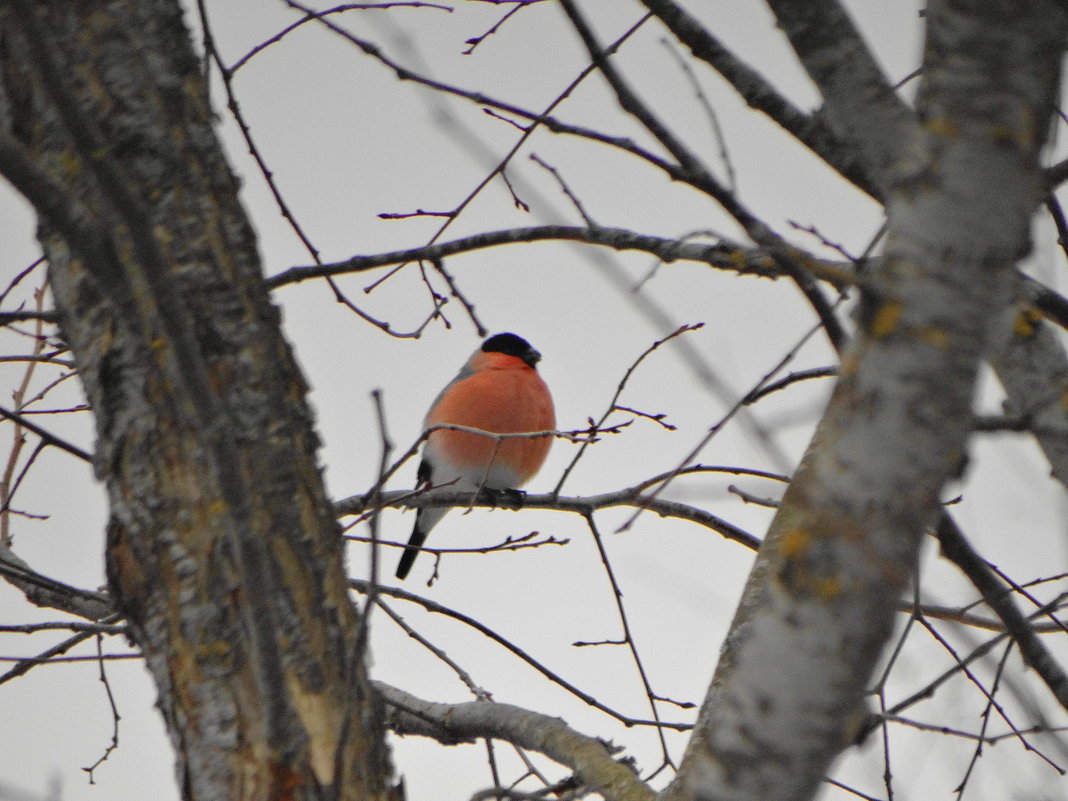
958 550
46 437
859 103
42 591
1032 366
628 99
689 165
759 94
589 757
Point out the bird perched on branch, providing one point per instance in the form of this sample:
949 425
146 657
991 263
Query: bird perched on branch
497 390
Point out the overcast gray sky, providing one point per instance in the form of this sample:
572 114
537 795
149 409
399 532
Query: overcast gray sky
347 142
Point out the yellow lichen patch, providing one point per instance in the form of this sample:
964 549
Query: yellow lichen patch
933 335
827 587
1025 322
1005 134
850 362
107 334
739 260
1020 135
1064 399
213 651
69 163
1030 127
802 572
794 543
942 126
886 319
321 719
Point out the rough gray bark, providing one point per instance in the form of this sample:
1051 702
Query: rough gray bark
1032 367
223 551
819 603
860 107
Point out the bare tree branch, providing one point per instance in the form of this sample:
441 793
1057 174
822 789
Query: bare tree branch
590 758
46 437
957 549
436 608
6 318
1031 365
722 255
44 591
860 104
759 94
632 497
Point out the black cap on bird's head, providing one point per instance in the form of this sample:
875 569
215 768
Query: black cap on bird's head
512 345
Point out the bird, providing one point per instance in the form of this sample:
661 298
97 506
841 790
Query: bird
497 390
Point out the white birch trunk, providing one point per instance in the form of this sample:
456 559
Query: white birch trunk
819 604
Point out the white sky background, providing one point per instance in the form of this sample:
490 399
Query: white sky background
346 141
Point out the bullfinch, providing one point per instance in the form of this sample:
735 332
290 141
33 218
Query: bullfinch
497 390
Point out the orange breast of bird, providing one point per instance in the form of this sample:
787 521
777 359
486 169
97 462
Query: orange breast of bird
504 395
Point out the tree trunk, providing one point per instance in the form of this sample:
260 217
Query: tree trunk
223 551
820 601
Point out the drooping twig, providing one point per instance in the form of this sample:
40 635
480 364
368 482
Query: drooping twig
326 12
432 606
713 118
115 717
628 638
464 676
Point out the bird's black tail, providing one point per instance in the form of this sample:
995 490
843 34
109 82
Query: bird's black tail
418 537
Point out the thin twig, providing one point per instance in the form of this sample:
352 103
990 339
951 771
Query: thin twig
586 218
465 677
612 403
956 548
115 717
268 176
628 636
46 437
718 426
436 608
710 113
